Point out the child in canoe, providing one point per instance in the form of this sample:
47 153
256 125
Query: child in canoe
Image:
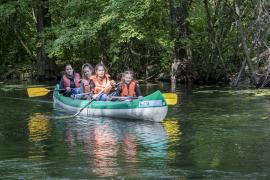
70 82
128 87
101 82
86 89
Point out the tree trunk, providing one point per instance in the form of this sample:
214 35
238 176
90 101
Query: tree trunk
45 65
240 73
245 47
216 46
178 13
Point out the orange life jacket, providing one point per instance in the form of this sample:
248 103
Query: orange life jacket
77 78
128 91
100 85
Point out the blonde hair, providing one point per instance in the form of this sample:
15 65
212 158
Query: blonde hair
89 66
101 65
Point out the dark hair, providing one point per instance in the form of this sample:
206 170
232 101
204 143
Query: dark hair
128 72
101 65
68 65
120 77
87 65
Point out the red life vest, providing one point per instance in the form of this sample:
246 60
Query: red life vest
100 85
77 78
128 90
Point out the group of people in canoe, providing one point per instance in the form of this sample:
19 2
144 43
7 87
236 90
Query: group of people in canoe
95 83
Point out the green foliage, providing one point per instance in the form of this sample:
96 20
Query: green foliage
120 33
128 34
16 27
6 10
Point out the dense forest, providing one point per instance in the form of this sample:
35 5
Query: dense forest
179 40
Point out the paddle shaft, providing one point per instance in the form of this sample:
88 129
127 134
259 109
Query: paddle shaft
90 101
40 91
62 89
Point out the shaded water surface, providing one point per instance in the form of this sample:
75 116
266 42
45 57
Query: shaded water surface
213 133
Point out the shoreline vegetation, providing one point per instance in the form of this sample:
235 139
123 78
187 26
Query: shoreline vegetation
177 41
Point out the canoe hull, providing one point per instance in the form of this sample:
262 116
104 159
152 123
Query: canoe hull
156 113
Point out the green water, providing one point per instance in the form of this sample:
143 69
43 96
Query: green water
213 133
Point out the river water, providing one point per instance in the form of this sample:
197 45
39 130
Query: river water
212 133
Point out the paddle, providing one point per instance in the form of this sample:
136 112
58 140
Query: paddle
66 117
39 91
170 98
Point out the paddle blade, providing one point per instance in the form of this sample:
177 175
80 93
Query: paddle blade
34 92
171 98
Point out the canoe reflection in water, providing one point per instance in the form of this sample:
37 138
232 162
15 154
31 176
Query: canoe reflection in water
109 144
104 151
104 142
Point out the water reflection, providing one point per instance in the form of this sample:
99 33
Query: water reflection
174 133
109 144
96 141
104 151
130 148
153 138
173 130
38 127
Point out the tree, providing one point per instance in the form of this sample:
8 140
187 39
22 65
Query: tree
180 55
45 65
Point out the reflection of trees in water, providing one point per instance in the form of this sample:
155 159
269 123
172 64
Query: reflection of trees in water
111 146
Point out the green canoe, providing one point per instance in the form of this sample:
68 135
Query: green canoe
152 107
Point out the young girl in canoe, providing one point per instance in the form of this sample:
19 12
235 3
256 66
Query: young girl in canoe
70 82
101 82
86 88
128 86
